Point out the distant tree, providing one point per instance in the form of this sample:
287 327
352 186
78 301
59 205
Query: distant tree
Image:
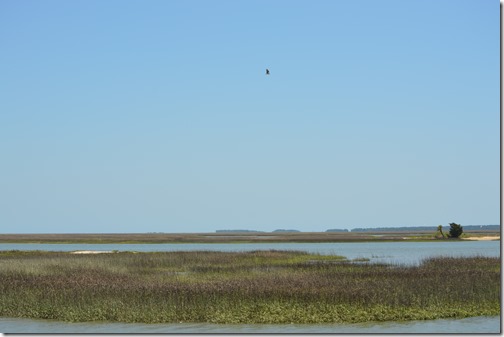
440 230
456 230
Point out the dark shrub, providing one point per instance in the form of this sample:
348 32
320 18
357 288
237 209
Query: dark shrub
455 230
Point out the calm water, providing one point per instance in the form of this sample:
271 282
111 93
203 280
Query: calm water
390 252
475 325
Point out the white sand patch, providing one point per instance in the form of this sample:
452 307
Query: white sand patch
483 238
92 252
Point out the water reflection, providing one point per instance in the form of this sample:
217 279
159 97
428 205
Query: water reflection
476 325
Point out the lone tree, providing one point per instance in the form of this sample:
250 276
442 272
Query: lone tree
455 230
440 230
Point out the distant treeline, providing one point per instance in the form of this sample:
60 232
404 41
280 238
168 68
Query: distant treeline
253 231
237 231
376 229
425 228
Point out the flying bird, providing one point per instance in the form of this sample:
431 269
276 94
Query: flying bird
267 71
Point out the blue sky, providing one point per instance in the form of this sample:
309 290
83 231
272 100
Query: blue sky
157 116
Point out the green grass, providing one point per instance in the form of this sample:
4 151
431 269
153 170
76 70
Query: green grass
248 287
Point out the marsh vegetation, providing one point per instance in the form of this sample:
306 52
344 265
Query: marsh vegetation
233 237
223 237
242 287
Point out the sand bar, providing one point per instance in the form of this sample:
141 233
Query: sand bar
483 238
92 252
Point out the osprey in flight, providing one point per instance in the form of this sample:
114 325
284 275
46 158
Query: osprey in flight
267 71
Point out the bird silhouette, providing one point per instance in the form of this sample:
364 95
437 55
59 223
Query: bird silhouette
267 72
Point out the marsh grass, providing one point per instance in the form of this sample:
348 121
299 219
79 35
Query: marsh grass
244 287
156 238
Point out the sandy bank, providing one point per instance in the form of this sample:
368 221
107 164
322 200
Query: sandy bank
483 238
92 252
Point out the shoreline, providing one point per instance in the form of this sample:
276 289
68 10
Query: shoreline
483 238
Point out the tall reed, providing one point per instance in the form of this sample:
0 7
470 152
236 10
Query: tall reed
246 287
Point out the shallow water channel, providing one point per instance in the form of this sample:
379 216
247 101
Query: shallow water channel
410 253
475 325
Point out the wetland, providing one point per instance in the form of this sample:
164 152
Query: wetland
261 287
260 282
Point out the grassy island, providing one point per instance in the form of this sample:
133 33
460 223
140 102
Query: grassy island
238 237
242 287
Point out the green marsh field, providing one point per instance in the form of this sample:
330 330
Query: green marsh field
242 287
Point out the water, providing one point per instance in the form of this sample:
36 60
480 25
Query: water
475 325
410 253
